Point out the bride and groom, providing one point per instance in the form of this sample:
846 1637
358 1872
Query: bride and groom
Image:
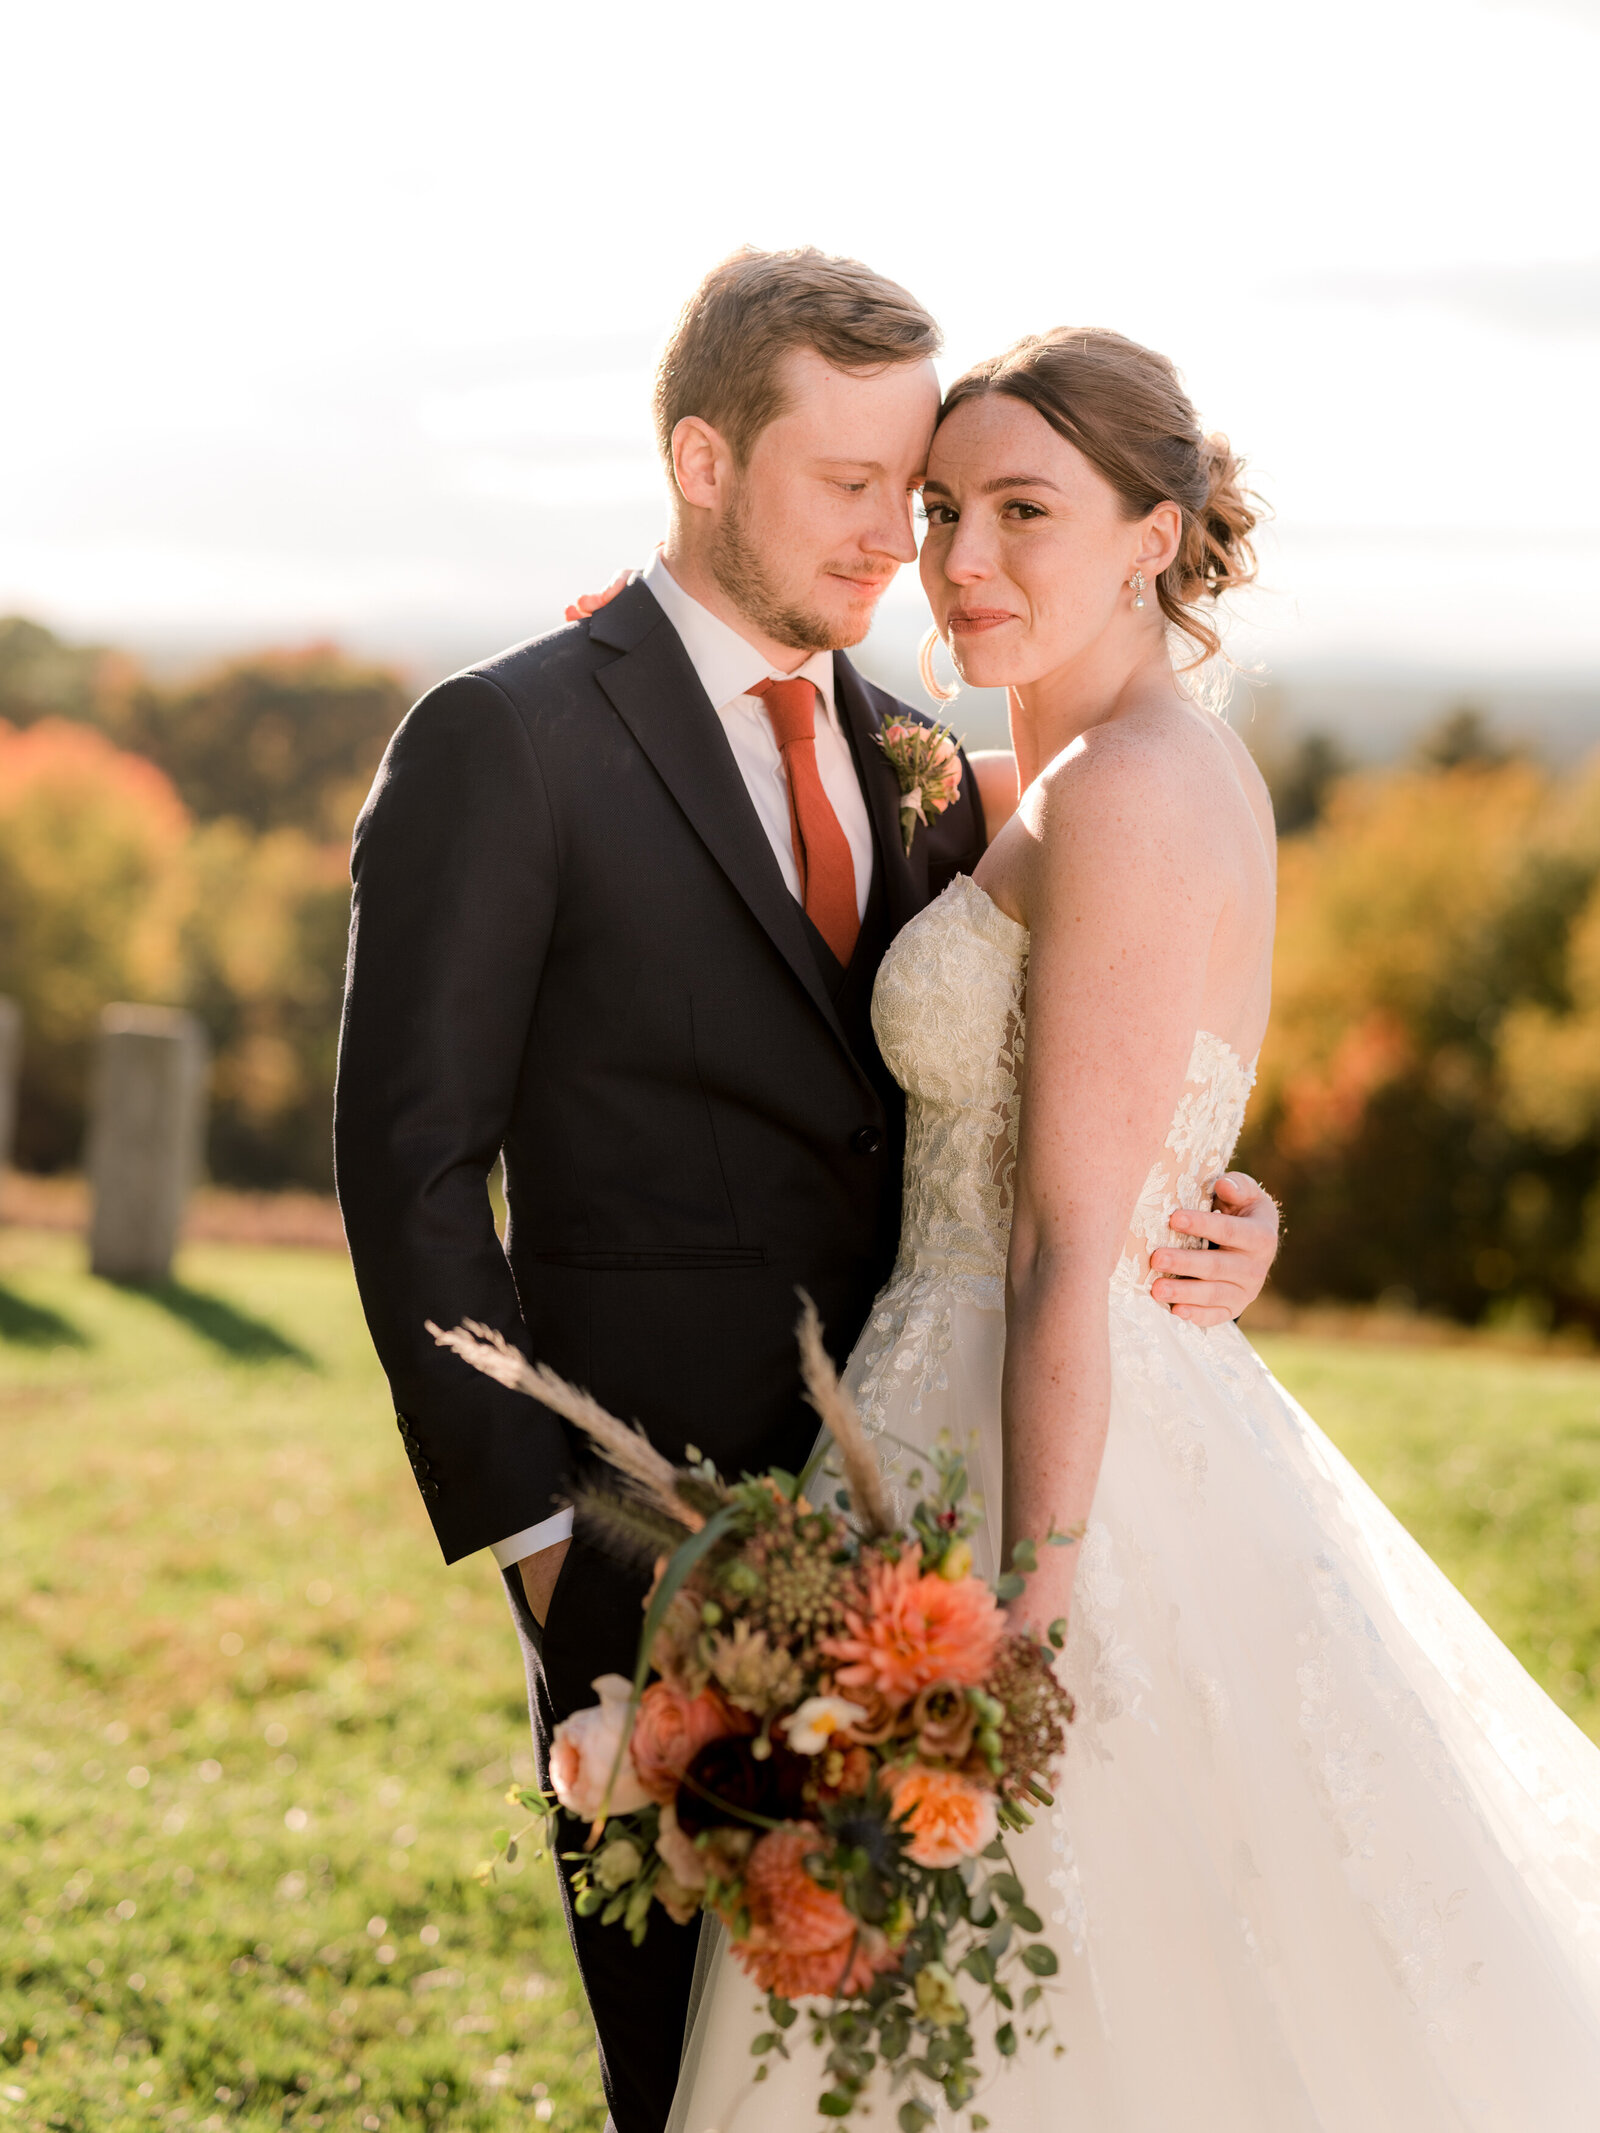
633 912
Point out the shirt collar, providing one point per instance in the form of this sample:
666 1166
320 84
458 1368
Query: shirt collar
728 666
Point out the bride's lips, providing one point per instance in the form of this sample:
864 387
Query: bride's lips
968 621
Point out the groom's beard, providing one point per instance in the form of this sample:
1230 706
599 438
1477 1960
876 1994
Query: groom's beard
739 570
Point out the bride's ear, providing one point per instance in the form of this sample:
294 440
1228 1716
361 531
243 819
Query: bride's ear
1163 536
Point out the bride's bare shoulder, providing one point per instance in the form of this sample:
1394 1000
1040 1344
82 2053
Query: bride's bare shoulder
1136 776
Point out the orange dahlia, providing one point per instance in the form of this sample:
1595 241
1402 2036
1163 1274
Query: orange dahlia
802 1940
915 1628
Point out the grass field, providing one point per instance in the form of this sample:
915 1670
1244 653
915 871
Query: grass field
253 1735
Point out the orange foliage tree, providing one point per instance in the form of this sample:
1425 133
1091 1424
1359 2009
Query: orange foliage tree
93 887
109 892
1429 1105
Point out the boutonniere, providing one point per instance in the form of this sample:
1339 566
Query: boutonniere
927 761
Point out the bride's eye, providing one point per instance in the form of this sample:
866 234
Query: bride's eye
937 514
1020 508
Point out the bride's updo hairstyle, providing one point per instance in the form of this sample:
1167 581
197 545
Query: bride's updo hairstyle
1125 409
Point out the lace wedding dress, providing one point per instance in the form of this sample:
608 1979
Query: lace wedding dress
1323 1855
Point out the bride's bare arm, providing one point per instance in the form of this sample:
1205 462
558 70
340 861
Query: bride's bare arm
1122 901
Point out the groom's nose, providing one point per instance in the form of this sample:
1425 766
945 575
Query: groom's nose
893 532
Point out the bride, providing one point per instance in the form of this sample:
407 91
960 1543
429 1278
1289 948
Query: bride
1322 1854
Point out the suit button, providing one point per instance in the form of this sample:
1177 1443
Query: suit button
866 1140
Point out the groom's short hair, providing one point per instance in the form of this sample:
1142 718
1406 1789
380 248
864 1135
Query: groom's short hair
722 359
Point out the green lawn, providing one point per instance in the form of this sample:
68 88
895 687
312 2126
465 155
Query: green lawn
253 1736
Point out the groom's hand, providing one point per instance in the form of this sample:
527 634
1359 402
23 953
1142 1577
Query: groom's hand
539 1573
1242 1231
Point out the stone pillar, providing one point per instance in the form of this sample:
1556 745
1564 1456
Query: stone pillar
146 1134
10 1070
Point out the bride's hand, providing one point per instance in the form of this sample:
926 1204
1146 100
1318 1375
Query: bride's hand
588 604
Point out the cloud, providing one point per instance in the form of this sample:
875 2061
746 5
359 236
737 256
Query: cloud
1585 11
1562 296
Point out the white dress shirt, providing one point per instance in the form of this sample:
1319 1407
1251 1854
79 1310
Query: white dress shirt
727 667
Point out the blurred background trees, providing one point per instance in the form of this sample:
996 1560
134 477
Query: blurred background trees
1428 1109
1429 1103
184 844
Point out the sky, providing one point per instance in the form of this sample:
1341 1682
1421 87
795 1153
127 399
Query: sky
338 319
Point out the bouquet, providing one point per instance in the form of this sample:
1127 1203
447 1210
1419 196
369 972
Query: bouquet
927 763
830 1733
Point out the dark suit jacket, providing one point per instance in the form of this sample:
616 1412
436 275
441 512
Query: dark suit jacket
571 942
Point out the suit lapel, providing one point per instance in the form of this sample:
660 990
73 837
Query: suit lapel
656 693
905 879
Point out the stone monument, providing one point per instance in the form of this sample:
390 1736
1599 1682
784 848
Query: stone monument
146 1134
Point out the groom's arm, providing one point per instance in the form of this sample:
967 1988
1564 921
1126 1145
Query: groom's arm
454 869
1240 1240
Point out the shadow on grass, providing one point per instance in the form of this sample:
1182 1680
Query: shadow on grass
235 1332
32 1325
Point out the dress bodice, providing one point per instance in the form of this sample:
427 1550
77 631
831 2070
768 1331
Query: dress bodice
947 1011
949 1014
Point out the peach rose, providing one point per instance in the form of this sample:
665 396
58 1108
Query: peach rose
915 1628
583 1754
944 1720
947 1818
678 1849
681 1904
802 1941
670 1731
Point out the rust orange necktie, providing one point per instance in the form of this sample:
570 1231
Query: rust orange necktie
821 849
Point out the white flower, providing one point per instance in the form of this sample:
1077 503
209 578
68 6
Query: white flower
818 1719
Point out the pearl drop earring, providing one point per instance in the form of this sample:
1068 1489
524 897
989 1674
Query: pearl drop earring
1137 582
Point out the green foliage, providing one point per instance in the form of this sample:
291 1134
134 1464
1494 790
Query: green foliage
280 740
42 676
253 1732
263 967
1301 781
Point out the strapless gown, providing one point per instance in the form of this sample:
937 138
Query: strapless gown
1323 1855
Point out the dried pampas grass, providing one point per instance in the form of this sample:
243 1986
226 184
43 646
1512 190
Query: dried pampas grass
627 1449
862 1474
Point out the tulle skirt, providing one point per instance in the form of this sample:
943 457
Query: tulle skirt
1323 1855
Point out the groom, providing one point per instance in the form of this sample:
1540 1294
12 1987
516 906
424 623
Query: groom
620 896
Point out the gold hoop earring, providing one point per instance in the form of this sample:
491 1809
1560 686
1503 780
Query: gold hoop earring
930 680
1137 582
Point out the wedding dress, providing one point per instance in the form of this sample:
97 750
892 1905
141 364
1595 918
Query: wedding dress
1323 1856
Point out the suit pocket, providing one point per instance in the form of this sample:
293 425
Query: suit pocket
686 1260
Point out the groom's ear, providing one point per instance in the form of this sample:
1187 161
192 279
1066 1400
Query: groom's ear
702 464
